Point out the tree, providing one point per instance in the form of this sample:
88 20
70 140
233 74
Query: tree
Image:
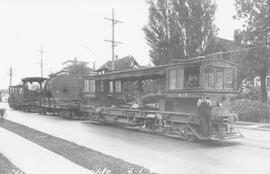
75 68
238 36
255 15
179 29
243 71
258 63
78 70
157 31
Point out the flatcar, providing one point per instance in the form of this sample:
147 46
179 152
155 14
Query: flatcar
176 113
61 96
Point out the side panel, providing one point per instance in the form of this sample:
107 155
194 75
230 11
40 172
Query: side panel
179 105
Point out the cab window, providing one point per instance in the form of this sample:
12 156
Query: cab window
118 86
86 86
209 77
228 78
192 77
101 86
111 87
176 79
92 86
219 78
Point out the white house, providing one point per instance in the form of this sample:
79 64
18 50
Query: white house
4 95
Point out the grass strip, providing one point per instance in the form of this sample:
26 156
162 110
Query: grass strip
80 155
6 167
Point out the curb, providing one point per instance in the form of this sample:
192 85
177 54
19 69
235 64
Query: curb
253 128
249 123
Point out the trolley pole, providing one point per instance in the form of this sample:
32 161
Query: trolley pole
41 59
114 43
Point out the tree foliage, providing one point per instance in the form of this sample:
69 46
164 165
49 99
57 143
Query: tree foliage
179 29
78 70
255 14
251 93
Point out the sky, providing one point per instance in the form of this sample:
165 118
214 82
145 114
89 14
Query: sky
76 28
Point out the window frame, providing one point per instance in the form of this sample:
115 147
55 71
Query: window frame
92 86
102 86
206 76
215 78
86 85
185 76
232 78
178 85
118 86
111 87
172 86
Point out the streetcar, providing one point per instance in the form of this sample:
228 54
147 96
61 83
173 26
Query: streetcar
171 109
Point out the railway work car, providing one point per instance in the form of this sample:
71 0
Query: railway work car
163 99
27 95
57 95
61 96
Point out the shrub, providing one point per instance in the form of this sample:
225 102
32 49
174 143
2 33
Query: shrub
252 93
253 111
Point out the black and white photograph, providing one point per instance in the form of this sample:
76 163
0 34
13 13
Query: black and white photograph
135 86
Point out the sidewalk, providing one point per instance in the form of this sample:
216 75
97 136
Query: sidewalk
34 159
253 126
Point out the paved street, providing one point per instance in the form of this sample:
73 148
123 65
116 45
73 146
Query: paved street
160 154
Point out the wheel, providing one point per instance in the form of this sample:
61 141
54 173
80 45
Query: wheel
183 133
40 111
166 130
35 109
55 113
192 138
44 111
62 114
187 135
67 115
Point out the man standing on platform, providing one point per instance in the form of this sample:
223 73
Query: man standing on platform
204 112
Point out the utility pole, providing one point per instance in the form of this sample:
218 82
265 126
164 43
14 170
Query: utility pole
114 43
41 59
10 76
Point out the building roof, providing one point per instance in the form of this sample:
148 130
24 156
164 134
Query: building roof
230 50
227 45
124 63
75 61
